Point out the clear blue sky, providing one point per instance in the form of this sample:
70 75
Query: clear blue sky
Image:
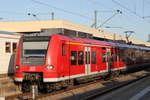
81 12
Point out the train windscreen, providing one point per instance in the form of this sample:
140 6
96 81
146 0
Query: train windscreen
34 50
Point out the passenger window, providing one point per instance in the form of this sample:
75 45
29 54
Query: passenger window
93 57
14 47
73 58
80 57
103 56
7 47
63 50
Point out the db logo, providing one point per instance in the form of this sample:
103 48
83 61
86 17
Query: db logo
33 68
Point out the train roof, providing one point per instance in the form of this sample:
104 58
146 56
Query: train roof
103 43
82 40
128 46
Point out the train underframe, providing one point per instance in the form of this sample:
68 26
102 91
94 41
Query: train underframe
33 78
36 78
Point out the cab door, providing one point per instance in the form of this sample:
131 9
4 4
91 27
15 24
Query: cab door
63 61
87 51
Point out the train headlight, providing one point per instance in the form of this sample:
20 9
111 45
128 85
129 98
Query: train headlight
17 67
49 67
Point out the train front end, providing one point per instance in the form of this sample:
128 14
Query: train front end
32 59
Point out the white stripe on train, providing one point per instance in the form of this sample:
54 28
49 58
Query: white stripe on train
69 77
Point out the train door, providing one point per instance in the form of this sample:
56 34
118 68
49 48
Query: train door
63 61
108 59
87 60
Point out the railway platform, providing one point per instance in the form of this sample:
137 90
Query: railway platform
139 90
7 87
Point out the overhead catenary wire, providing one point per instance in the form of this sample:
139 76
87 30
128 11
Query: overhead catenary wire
119 4
108 10
60 9
129 10
118 11
106 21
100 3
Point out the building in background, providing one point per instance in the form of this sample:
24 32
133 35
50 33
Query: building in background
8 47
27 27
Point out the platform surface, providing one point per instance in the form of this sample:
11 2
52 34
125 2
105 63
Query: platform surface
137 91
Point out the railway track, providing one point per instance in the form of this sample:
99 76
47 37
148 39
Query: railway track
89 96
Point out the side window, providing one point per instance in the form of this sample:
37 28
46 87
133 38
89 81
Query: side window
93 57
63 50
80 57
14 47
73 57
8 47
103 56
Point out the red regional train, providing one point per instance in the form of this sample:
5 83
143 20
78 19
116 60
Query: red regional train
57 61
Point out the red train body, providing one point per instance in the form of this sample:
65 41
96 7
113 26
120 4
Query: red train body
58 58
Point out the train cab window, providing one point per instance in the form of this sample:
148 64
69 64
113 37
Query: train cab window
104 57
63 49
14 47
93 57
73 58
7 47
80 57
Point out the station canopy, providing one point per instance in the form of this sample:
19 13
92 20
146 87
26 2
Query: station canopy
37 26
